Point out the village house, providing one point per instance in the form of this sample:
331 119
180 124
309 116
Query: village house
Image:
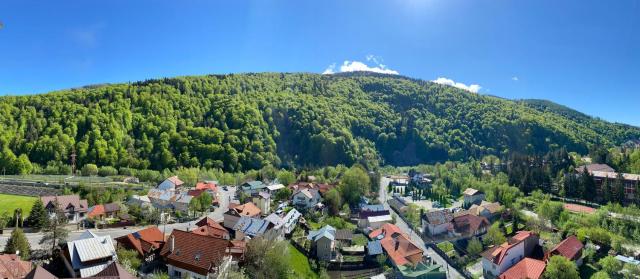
171 183
398 204
147 242
344 237
251 188
248 227
189 255
209 227
498 259
324 243
285 225
236 211
263 201
111 271
527 268
489 210
437 222
73 207
402 252
306 198
472 196
373 219
88 255
273 188
12 267
301 185
570 248
469 225
104 211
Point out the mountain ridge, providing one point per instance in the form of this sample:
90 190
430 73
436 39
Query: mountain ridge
245 121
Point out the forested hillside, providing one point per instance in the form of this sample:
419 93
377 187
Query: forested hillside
244 121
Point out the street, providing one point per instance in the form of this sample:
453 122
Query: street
217 214
383 197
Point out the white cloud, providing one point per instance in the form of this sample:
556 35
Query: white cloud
515 78
471 88
357 66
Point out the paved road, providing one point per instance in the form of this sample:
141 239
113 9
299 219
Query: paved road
383 196
34 238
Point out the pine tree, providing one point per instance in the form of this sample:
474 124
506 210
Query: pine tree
55 231
618 189
38 216
18 243
606 190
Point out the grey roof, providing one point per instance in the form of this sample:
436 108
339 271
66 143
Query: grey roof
374 248
438 217
253 185
275 219
292 217
326 231
89 248
372 207
344 234
251 226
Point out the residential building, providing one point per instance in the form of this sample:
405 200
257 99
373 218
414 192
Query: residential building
602 173
472 196
323 188
570 248
171 183
489 210
273 188
251 188
73 207
88 255
209 186
263 201
344 237
285 224
469 225
147 242
527 268
104 211
12 267
369 219
236 211
210 227
398 204
371 207
248 227
398 246
437 222
306 198
111 271
301 185
498 259
142 201
595 167
189 255
324 243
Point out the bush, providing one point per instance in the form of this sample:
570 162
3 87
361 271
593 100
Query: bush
107 171
127 171
89 170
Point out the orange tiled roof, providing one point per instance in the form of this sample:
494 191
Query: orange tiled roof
398 246
11 266
206 186
527 268
143 240
496 254
96 210
248 209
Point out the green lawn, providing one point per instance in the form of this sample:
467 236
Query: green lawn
8 203
300 264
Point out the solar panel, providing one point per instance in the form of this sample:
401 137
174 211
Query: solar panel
136 235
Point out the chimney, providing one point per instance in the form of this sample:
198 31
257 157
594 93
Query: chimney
172 243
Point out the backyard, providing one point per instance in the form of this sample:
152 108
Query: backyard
8 203
300 264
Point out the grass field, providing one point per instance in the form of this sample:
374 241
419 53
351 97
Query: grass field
8 203
300 264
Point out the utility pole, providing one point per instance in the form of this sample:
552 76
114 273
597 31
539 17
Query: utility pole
73 162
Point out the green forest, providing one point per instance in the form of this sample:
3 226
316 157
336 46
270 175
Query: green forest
238 122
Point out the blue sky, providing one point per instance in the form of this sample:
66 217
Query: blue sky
581 53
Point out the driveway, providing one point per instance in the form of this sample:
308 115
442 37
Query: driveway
383 196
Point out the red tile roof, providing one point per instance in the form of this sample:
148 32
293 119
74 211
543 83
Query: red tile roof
144 240
11 266
398 246
175 180
576 208
247 209
570 248
496 254
206 186
95 211
469 223
212 229
196 253
527 268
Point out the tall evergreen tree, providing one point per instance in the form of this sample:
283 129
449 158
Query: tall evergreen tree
18 243
588 186
618 189
55 231
38 216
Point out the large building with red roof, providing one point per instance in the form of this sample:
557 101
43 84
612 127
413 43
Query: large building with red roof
195 256
12 267
146 242
498 259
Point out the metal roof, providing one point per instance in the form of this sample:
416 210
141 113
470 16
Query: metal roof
374 247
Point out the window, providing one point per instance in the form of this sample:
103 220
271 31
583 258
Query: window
177 273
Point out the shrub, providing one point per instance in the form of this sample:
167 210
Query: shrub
107 171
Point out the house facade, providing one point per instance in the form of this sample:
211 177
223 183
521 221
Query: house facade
437 222
472 196
236 211
73 207
498 259
324 243
306 198
189 255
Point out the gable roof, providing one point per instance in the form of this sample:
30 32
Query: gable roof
569 248
253 185
527 268
367 214
397 245
111 271
344 234
196 253
88 253
208 185
469 223
247 209
308 193
438 217
65 201
595 167
175 180
143 240
11 266
252 226
326 232
497 253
